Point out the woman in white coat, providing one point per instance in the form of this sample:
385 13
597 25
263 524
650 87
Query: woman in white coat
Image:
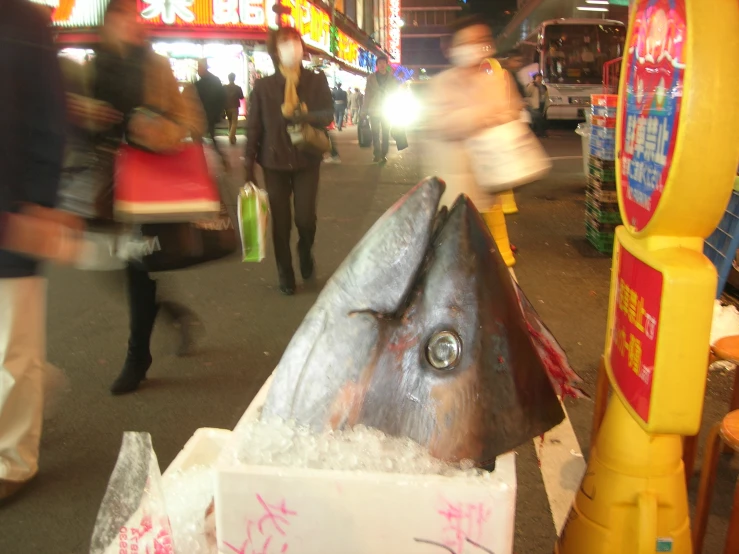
462 102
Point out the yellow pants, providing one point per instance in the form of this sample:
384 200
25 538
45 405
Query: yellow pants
509 202
496 223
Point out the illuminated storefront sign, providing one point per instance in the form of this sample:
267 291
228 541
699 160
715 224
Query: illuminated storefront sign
315 27
205 13
395 23
167 13
76 13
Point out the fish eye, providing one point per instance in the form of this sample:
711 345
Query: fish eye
444 350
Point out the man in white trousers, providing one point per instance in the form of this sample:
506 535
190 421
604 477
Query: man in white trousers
32 125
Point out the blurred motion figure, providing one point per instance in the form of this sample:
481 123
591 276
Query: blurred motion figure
32 130
128 75
462 102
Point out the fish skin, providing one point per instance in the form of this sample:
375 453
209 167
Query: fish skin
360 355
333 344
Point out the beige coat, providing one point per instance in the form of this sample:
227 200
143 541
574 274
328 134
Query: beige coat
462 104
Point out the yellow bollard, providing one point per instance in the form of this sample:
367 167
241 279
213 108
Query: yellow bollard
496 223
633 497
509 202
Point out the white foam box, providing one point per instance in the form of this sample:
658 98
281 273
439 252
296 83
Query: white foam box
307 511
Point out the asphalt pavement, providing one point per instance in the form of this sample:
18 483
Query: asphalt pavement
248 323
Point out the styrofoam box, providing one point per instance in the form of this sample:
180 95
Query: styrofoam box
308 511
304 511
270 509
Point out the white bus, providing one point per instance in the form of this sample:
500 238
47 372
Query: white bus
570 54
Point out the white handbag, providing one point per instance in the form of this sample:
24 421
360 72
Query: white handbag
506 156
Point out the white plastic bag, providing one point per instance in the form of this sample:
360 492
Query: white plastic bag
253 212
507 156
133 517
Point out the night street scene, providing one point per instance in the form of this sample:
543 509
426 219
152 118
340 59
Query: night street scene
369 277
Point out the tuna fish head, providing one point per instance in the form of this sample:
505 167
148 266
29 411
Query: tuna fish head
421 334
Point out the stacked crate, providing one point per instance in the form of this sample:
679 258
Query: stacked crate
601 201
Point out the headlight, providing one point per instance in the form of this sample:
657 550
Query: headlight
402 109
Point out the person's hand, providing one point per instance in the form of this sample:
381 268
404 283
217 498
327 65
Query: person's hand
43 234
90 113
142 129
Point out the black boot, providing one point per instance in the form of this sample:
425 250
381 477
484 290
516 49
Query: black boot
142 313
287 279
307 266
188 324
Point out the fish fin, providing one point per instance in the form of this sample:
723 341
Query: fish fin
561 374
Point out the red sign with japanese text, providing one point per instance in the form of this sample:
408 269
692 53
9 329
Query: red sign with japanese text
634 333
652 99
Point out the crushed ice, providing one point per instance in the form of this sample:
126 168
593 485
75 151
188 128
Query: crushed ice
275 442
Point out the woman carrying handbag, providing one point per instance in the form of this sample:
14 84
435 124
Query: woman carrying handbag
286 135
466 102
126 76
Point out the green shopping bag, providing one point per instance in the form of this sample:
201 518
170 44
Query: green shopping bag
253 208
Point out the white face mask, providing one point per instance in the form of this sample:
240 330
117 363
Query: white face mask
467 55
290 53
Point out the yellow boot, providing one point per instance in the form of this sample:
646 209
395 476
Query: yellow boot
509 202
496 223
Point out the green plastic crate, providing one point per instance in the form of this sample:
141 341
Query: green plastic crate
599 195
599 226
602 216
594 202
603 242
595 183
602 174
600 163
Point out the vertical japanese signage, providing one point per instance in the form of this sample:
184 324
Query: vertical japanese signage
654 91
634 330
314 25
394 25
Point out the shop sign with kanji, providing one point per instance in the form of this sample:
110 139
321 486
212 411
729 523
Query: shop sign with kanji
634 330
653 97
205 13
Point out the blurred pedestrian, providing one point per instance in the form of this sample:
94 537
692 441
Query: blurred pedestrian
463 102
537 95
213 98
32 112
286 135
354 105
340 102
380 85
234 95
128 75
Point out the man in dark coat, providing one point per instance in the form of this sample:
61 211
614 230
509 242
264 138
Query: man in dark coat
213 98
32 130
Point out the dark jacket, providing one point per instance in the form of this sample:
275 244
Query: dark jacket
267 140
212 96
32 119
340 96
